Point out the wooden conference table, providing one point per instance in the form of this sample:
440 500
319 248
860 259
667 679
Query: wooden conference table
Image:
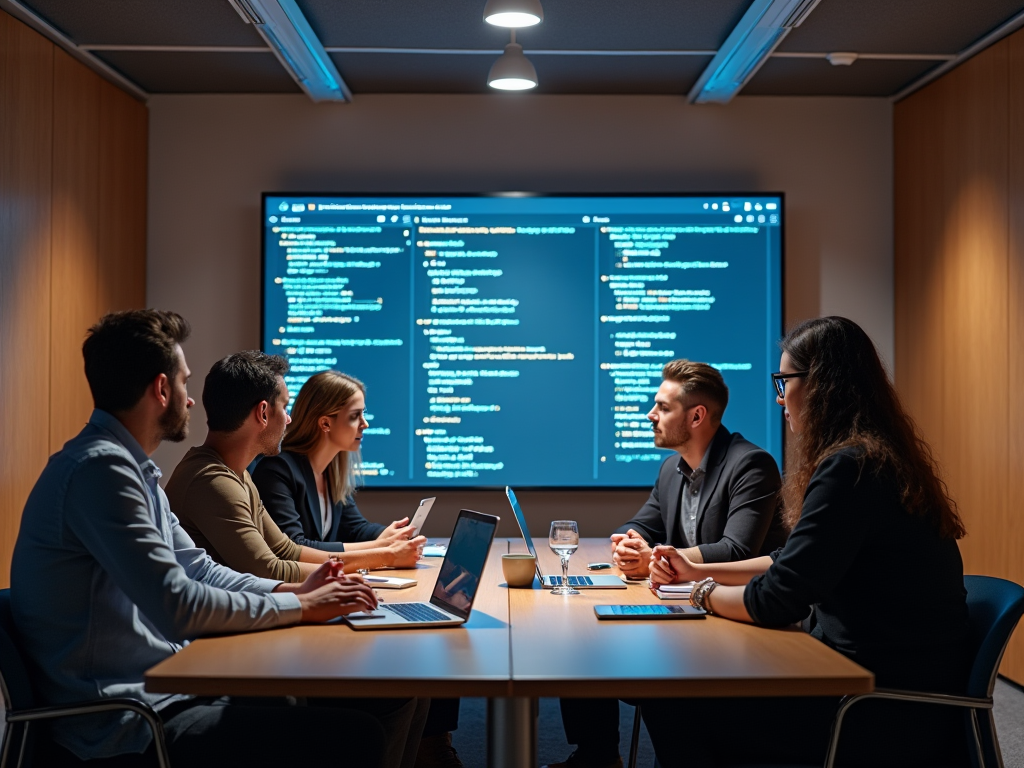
519 644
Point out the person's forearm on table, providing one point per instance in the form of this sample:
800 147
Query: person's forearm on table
362 546
370 559
727 602
734 574
693 554
379 557
314 556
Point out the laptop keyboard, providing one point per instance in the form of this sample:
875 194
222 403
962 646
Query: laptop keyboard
417 612
574 581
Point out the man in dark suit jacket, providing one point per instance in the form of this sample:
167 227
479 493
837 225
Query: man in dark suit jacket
717 501
736 508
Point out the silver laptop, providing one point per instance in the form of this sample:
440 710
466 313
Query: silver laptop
457 582
606 581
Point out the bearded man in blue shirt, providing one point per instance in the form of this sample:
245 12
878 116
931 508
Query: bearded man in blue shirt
105 584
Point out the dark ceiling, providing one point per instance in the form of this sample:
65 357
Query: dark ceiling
443 46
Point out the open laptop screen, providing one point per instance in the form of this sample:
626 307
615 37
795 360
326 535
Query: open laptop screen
463 565
521 519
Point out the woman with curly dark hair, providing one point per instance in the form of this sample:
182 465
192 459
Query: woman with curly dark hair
872 558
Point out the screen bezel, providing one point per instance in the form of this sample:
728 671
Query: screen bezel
524 529
491 520
432 489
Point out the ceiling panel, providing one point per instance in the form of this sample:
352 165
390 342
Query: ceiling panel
147 22
160 72
898 26
568 24
405 73
816 77
864 26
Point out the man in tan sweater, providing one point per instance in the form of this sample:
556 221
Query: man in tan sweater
223 514
212 494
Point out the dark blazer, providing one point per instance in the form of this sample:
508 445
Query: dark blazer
739 515
288 489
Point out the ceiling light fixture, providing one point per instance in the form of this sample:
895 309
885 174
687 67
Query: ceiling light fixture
286 31
841 59
765 24
513 13
512 71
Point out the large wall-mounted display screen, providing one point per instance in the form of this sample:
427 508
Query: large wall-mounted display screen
518 340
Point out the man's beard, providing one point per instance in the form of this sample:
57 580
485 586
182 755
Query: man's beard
673 440
174 422
270 444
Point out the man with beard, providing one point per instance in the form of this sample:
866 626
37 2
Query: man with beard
211 491
715 502
105 584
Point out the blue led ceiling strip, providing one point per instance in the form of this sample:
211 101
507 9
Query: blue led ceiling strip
765 24
284 27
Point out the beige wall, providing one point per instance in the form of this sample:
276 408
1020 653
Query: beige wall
212 156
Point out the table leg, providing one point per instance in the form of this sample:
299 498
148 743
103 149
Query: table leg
512 732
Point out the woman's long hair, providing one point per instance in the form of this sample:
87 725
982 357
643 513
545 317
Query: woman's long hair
325 394
849 401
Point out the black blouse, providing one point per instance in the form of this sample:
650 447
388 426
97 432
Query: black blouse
288 490
887 591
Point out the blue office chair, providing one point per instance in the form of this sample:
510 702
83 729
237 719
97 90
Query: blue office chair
994 607
19 701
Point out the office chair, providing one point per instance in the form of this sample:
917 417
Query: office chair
634 744
994 607
19 701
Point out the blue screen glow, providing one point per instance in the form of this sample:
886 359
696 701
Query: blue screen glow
519 340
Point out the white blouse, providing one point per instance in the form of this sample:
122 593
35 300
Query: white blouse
325 513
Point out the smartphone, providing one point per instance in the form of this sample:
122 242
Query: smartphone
598 566
649 612
420 517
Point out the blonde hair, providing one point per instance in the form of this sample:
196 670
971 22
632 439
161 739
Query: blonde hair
325 394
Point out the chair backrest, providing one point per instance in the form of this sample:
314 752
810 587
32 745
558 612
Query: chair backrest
994 607
14 681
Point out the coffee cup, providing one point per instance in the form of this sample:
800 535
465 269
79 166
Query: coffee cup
519 569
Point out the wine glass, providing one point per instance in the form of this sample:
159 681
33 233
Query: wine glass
563 539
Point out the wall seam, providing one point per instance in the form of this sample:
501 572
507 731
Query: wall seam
53 170
1006 279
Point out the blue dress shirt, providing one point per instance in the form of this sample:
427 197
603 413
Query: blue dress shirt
105 584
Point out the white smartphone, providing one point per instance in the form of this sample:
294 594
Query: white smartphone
421 515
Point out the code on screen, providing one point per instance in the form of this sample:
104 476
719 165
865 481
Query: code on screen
519 340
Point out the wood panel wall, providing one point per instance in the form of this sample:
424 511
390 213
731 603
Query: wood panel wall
959 288
72 246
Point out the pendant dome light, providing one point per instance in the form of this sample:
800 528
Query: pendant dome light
512 71
513 13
